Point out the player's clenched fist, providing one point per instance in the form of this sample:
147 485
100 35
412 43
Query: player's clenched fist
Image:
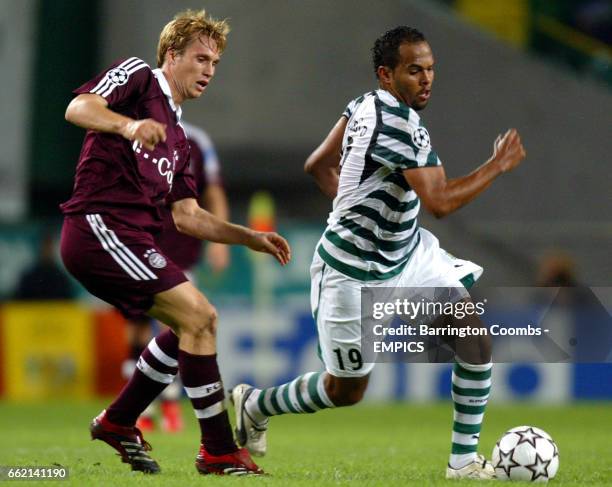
271 243
147 132
508 150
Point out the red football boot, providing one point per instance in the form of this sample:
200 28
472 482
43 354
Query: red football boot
236 463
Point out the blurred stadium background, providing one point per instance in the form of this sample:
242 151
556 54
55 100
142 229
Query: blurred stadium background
543 66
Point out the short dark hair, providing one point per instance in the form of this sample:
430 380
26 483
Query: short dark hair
386 48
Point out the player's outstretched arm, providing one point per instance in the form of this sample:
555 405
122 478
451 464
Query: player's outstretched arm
323 163
214 199
90 111
192 220
442 196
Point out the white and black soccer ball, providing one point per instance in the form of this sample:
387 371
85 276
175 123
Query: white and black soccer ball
525 453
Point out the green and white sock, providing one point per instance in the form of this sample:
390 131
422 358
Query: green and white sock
470 392
304 394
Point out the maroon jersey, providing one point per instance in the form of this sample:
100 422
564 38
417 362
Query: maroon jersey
184 250
121 178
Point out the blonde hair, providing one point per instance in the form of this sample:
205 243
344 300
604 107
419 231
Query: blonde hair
186 26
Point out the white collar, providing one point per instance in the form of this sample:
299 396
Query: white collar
163 84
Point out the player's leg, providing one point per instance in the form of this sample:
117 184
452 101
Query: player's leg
306 394
141 371
123 267
471 378
139 334
110 260
189 313
471 385
170 407
155 368
337 309
345 391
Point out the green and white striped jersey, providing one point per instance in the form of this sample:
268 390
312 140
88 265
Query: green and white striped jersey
372 230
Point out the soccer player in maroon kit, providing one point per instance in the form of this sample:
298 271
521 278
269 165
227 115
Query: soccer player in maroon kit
133 162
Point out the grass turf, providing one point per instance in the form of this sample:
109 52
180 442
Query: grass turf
395 444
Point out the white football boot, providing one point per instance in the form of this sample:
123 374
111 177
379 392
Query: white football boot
249 434
479 469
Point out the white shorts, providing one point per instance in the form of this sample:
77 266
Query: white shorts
335 300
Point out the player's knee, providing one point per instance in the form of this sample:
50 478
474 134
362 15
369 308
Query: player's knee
346 398
207 323
345 394
202 319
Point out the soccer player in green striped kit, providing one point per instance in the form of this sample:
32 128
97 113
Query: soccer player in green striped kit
378 164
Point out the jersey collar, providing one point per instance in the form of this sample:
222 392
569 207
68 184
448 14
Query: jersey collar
390 97
165 87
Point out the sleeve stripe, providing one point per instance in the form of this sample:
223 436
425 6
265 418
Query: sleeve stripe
106 86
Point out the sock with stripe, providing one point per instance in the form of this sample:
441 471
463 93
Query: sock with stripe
471 384
156 368
304 394
202 382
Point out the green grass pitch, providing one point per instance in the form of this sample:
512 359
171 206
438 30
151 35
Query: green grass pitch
395 444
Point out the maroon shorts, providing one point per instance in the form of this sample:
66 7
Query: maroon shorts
118 264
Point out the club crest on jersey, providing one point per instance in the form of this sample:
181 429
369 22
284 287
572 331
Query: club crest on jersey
156 260
420 137
118 76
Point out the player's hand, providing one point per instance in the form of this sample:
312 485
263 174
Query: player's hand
147 132
217 256
508 151
271 243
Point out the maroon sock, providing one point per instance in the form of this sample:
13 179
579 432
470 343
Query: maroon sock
202 381
156 368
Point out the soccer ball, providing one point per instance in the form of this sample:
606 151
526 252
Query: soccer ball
525 453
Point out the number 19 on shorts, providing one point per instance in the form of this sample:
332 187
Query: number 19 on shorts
351 359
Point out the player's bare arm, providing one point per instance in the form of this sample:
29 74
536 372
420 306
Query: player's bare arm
90 111
442 196
189 218
214 200
323 163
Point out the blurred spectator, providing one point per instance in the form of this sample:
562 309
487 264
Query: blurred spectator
591 332
45 279
557 269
